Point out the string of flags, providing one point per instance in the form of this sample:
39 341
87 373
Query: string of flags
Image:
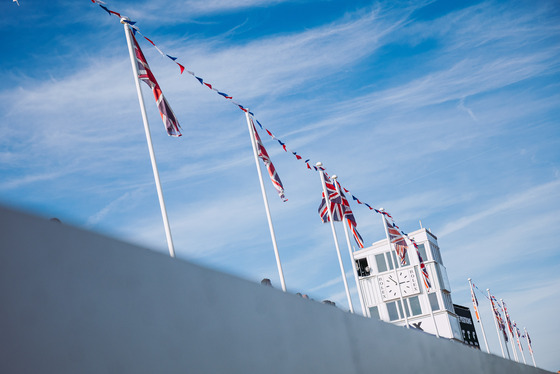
504 323
173 129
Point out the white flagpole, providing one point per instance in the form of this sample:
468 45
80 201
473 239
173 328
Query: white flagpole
509 332
496 323
149 140
479 317
328 204
519 343
352 261
427 297
265 200
404 307
530 347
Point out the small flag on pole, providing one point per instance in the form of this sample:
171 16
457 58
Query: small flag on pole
425 275
349 215
475 304
498 317
335 202
398 241
529 342
263 154
145 74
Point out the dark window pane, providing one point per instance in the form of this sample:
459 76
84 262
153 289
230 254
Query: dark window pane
374 312
362 267
381 264
415 305
392 310
433 301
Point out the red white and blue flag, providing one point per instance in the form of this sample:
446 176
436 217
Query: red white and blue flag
340 208
425 275
398 241
529 342
509 325
263 154
335 202
349 215
145 74
498 316
475 304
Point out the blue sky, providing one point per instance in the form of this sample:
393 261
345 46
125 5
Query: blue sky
444 112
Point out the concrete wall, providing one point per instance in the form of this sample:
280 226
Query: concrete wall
76 302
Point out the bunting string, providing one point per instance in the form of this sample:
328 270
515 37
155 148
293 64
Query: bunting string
229 97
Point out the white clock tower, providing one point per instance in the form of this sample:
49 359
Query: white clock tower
395 293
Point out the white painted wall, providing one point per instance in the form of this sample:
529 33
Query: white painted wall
75 302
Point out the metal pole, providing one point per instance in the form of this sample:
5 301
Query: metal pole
479 318
149 141
530 347
427 297
265 200
509 332
328 203
496 322
404 307
519 343
352 261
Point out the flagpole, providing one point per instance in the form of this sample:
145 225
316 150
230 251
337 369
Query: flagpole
529 345
509 331
265 200
352 261
479 318
149 141
404 309
496 322
519 343
427 297
328 204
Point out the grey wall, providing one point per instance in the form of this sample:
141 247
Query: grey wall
76 302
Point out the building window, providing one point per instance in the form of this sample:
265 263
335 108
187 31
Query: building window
362 267
435 253
392 310
447 302
392 260
414 303
433 301
381 264
374 312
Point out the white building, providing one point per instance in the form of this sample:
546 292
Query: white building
386 286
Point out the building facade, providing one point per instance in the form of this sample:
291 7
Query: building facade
396 293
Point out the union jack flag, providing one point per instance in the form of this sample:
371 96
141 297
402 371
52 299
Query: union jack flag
498 316
356 234
518 335
425 276
145 74
509 325
475 304
349 215
397 240
263 154
529 342
335 202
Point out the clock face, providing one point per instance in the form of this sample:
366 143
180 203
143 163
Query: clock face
388 286
408 282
